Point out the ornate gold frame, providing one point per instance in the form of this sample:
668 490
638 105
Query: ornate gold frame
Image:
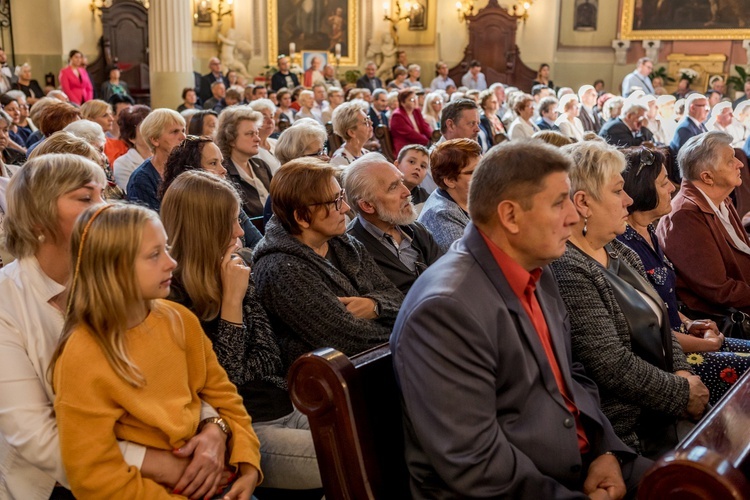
352 22
628 33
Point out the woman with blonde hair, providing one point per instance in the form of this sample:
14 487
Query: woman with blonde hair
568 121
199 214
101 112
522 126
351 123
432 109
620 328
238 138
131 365
44 200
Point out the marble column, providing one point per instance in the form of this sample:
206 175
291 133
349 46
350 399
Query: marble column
170 37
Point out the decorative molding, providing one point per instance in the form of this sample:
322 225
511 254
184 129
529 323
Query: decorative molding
652 49
621 51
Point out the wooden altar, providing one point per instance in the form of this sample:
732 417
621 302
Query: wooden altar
492 41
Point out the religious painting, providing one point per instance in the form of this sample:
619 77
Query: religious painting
321 59
418 15
202 13
685 20
313 26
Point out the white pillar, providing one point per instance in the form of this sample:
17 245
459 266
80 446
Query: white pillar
171 51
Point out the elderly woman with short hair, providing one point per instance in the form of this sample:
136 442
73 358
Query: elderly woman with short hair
306 101
10 156
568 121
320 287
54 117
620 328
306 137
351 122
163 129
267 145
399 79
92 133
703 235
522 127
445 213
646 181
238 138
27 84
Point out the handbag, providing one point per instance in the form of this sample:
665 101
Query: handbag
734 324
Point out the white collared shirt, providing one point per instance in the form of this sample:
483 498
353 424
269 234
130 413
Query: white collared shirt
30 328
253 180
723 213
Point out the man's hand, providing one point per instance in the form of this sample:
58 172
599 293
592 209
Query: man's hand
201 478
163 467
605 476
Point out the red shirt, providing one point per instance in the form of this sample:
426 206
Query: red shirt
523 284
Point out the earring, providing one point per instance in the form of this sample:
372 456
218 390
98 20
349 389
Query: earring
41 238
585 226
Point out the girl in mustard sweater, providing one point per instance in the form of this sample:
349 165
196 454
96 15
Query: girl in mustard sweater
134 367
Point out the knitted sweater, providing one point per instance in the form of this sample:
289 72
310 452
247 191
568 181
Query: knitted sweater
443 218
95 407
300 289
250 355
600 337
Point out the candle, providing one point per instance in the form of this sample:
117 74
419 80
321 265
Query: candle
292 48
386 7
338 50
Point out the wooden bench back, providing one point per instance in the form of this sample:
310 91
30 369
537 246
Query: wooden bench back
383 134
334 140
354 409
713 461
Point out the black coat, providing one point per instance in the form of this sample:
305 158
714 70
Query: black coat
278 80
618 134
392 267
250 201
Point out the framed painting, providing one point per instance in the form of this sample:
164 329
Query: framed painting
685 20
309 55
313 26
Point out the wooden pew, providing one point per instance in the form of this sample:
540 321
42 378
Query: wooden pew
383 134
334 140
354 409
713 461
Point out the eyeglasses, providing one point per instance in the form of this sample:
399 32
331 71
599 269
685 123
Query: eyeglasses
367 121
647 159
321 152
198 138
337 202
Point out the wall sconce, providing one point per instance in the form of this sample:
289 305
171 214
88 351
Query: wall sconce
203 15
520 10
464 9
397 16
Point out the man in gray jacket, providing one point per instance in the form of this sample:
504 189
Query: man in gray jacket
494 407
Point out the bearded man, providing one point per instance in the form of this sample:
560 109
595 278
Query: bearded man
386 220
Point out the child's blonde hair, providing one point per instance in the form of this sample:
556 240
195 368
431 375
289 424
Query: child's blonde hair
198 211
105 243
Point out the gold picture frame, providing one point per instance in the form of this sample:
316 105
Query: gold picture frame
633 19
334 23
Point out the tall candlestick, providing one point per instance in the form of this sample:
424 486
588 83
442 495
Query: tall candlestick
292 48
338 50
386 8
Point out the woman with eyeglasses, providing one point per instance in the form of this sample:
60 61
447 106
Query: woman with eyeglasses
320 286
432 109
407 124
238 138
620 328
714 358
351 122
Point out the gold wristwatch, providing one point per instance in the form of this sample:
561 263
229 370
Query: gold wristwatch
223 425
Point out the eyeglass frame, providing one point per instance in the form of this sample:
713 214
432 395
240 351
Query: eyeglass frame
321 152
338 202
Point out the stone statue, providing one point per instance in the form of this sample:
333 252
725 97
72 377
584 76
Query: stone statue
234 51
388 51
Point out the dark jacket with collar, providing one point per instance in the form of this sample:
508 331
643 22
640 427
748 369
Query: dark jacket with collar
278 80
389 263
617 133
376 118
543 125
590 124
712 273
374 83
